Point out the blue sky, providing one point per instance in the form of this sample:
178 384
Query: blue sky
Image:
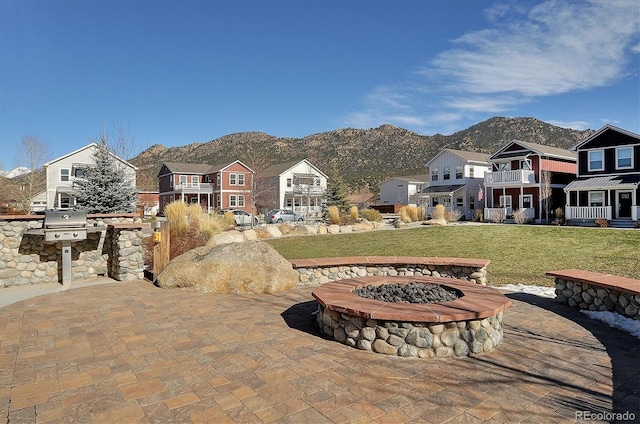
177 72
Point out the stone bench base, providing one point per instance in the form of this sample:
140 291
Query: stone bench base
318 271
595 291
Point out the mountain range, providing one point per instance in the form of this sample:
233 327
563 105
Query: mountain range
361 157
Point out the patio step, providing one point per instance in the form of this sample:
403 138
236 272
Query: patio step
622 223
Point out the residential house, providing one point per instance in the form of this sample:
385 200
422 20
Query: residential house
455 179
227 186
148 203
608 181
402 190
63 171
528 177
299 186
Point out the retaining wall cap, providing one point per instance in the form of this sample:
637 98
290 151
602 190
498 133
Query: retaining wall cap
626 284
388 260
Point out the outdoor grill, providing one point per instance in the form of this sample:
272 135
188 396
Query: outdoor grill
65 226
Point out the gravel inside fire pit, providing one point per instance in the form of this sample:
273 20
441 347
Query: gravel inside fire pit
408 293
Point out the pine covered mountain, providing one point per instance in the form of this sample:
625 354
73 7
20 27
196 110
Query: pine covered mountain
361 157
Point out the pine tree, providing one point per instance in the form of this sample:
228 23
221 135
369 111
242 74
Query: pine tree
105 187
337 192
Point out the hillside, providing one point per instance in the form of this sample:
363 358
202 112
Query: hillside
360 156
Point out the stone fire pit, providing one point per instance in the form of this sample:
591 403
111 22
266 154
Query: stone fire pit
470 324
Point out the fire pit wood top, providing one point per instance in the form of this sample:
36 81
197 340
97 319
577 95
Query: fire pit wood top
478 302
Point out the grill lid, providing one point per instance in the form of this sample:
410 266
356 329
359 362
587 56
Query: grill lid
64 218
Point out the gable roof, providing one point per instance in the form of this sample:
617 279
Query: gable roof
601 131
422 178
539 149
476 157
88 146
281 168
198 168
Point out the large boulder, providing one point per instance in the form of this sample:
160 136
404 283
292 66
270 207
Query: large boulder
250 267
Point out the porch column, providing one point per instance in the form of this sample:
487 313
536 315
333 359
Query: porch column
634 205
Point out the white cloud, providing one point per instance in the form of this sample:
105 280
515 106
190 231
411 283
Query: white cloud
553 48
574 125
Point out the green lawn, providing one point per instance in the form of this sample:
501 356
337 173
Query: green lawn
518 254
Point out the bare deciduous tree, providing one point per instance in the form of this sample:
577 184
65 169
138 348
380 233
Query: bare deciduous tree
32 151
545 193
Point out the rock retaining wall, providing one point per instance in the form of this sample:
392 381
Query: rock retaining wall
113 248
592 297
311 276
413 339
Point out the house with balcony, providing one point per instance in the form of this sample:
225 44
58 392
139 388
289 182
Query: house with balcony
528 177
402 190
455 180
608 181
61 173
299 186
226 186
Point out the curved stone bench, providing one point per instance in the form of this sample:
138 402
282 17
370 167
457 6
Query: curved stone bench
470 324
318 271
596 291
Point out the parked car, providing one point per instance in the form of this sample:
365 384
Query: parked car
282 215
241 217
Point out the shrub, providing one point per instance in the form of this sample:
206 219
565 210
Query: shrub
452 215
209 225
602 222
520 217
497 216
412 211
422 213
559 213
334 214
371 215
353 211
438 212
228 218
477 215
176 213
404 215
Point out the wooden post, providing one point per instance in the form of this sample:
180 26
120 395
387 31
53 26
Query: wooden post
162 250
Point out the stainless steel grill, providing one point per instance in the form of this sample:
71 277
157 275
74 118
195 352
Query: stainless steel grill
63 225
66 227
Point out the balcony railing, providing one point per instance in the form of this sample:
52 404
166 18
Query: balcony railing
194 188
306 189
588 212
518 176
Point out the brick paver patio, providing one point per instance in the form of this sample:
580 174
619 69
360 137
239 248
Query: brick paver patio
130 352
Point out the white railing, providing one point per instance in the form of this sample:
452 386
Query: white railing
496 214
307 210
194 188
518 176
306 189
588 212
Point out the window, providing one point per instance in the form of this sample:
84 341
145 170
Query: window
233 201
183 180
434 175
596 198
472 171
459 202
472 202
288 182
288 202
218 201
596 160
194 181
241 201
233 179
624 157
526 201
459 172
446 201
525 164
65 201
64 174
78 172
241 179
505 201
506 166
434 202
446 173
218 180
